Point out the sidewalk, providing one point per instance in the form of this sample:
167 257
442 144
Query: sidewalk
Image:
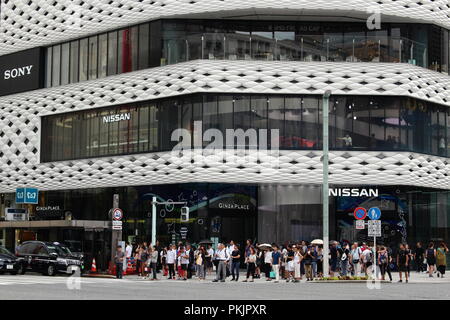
415 278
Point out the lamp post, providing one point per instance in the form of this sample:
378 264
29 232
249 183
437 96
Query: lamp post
325 209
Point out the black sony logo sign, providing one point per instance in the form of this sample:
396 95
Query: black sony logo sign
22 71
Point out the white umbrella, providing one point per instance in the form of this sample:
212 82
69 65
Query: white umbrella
265 246
317 241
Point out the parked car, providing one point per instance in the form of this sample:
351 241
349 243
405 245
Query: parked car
9 262
48 258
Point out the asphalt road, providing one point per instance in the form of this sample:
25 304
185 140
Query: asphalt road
35 286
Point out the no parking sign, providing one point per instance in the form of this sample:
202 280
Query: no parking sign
360 213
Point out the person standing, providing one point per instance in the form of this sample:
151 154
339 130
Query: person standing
153 259
200 263
355 255
431 258
367 261
344 253
308 258
384 260
320 261
191 257
419 257
209 257
334 258
222 257
235 263
171 261
267 263
184 262
402 262
441 259
297 264
275 262
290 264
118 260
250 260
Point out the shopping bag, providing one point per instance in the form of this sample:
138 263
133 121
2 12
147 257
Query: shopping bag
272 274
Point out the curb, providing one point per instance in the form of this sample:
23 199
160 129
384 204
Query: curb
98 275
348 281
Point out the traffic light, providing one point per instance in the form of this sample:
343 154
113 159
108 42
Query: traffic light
184 214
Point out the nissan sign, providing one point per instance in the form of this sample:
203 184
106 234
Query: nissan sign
22 71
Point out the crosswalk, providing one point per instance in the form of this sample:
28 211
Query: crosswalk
6 280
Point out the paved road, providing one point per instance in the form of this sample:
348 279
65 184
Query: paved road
35 286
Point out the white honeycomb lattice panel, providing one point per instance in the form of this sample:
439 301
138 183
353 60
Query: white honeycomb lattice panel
20 125
347 168
31 23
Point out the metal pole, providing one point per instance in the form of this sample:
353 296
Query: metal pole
375 257
154 221
325 218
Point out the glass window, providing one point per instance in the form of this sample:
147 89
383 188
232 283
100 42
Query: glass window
74 61
377 123
83 59
103 134
154 126
259 112
169 121
361 123
293 120
134 39
310 120
113 141
144 42
343 111
93 50
144 131
391 122
48 67
210 119
56 68
65 54
225 113
102 55
112 53
275 117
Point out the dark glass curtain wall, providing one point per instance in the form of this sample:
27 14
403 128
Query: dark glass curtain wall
172 41
357 123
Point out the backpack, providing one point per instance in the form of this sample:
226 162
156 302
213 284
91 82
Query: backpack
383 258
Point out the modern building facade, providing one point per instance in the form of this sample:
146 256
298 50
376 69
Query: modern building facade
92 94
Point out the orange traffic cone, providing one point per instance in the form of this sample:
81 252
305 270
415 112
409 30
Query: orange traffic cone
94 266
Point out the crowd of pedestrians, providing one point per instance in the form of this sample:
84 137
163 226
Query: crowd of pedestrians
291 262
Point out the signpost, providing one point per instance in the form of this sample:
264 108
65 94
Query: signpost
373 226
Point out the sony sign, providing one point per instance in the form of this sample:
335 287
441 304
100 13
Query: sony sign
22 71
353 192
117 117
17 72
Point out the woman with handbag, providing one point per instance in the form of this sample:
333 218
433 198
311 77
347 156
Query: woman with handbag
384 260
250 260
200 263
441 259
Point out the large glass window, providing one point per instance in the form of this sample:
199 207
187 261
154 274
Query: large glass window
173 41
357 123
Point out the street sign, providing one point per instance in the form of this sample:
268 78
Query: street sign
117 214
374 213
374 228
27 195
117 225
360 213
360 225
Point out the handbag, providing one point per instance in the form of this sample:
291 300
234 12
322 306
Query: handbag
272 274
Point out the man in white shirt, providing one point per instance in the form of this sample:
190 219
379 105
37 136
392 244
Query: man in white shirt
222 257
128 250
268 264
170 260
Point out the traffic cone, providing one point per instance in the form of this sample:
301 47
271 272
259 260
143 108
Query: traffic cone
94 266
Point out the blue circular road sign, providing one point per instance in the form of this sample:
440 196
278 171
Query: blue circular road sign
374 213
